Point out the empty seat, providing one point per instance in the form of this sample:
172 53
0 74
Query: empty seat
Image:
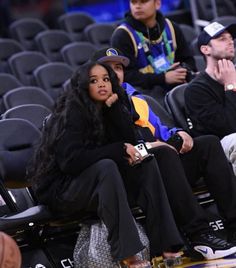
50 43
8 47
35 113
99 34
52 76
23 64
189 33
77 53
74 23
27 95
7 82
25 29
175 104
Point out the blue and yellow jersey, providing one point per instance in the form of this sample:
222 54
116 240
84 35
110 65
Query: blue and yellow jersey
147 118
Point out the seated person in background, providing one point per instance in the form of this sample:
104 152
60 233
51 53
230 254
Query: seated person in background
201 156
158 53
211 97
86 163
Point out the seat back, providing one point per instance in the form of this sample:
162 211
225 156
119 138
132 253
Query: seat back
50 43
77 53
51 77
18 139
99 34
175 104
8 47
25 29
189 32
27 95
7 82
74 23
34 113
23 64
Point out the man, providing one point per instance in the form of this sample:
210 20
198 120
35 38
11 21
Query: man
211 97
204 155
158 52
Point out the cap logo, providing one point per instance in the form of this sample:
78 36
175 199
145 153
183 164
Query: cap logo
213 28
111 52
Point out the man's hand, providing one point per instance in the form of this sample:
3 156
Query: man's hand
111 99
225 72
176 74
187 142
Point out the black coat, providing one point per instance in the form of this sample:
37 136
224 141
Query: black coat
211 108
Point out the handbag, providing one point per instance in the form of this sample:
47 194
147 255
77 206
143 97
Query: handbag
93 251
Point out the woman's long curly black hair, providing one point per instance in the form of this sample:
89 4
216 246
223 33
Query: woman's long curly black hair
44 162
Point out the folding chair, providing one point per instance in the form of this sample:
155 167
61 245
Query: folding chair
50 43
51 77
25 29
23 64
74 23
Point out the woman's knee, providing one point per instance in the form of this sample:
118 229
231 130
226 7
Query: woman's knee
106 166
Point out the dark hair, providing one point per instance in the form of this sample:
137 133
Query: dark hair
44 162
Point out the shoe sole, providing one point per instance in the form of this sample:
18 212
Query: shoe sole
209 254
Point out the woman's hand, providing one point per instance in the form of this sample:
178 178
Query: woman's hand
134 157
111 99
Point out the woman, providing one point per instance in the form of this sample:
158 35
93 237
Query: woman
87 162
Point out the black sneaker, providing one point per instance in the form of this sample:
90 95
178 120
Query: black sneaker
212 246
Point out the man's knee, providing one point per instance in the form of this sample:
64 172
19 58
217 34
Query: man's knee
207 141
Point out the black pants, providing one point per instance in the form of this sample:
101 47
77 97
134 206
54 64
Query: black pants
100 188
180 172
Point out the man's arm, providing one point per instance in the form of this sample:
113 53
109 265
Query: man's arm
206 111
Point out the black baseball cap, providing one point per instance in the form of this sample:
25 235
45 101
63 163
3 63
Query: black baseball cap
213 30
110 54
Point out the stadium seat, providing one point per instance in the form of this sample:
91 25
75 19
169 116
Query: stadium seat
74 23
25 29
175 104
51 77
77 53
34 113
7 82
189 32
99 34
23 64
50 43
8 47
27 95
